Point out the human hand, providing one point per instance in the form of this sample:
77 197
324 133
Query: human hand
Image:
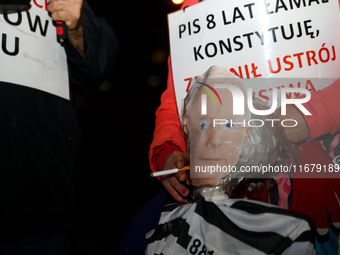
298 134
174 183
68 11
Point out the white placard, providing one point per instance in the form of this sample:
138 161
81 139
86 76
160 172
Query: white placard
30 53
257 39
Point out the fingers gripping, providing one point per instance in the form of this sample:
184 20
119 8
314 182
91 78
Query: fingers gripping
173 184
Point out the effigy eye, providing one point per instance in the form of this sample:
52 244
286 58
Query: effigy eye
203 125
230 125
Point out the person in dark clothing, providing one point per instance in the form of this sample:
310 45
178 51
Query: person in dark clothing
38 134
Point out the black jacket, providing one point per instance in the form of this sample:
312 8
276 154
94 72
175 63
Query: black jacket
39 139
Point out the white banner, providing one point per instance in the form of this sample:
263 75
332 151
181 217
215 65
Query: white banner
30 53
257 39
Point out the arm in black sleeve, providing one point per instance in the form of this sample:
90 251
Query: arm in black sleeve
100 46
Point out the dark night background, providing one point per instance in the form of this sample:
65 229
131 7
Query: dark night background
117 122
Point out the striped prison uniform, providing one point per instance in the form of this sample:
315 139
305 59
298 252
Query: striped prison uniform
230 226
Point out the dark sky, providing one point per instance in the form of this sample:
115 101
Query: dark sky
117 126
141 28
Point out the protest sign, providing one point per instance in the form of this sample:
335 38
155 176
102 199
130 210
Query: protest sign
255 40
30 53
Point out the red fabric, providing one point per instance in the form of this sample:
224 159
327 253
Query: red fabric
162 152
324 106
190 2
315 197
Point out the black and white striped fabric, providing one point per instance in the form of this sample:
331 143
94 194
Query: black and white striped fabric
230 226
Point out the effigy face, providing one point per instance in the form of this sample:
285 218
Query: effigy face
216 135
